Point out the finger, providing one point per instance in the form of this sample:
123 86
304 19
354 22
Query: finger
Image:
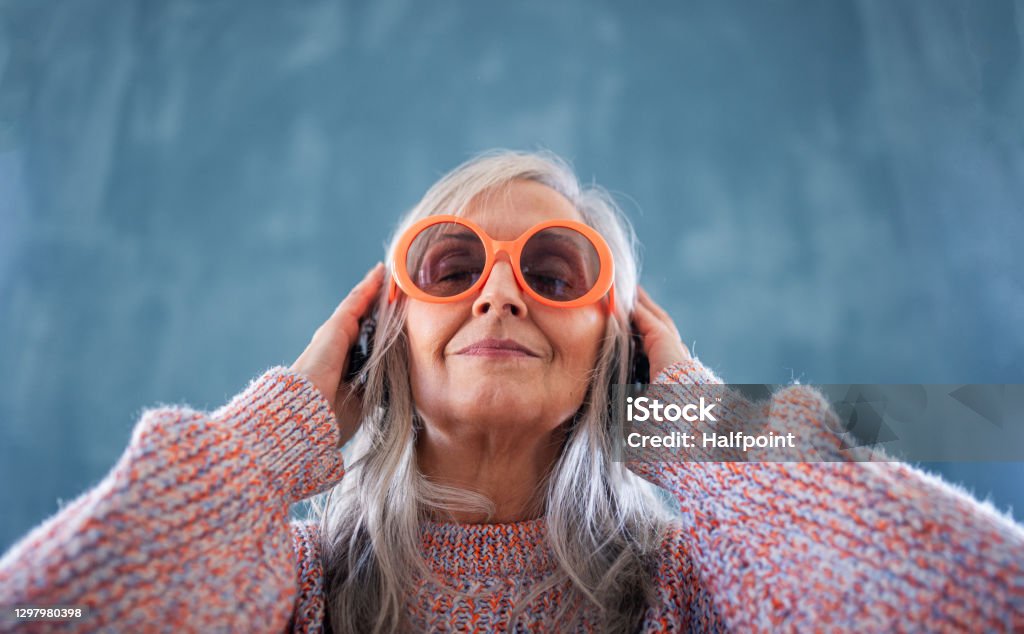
345 319
644 298
363 293
662 318
650 309
662 314
646 321
365 289
656 335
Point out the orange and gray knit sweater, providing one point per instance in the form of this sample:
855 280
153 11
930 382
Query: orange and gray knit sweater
191 531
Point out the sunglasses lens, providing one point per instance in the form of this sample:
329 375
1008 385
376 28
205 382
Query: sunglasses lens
445 259
560 264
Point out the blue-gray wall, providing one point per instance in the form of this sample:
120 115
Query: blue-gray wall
828 191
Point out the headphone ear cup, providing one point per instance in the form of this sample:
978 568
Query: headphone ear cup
614 386
639 364
638 369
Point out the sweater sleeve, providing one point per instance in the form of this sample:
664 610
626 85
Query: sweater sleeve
190 529
309 616
840 545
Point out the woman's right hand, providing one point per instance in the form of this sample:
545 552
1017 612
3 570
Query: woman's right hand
326 356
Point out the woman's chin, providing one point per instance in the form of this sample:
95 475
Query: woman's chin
498 395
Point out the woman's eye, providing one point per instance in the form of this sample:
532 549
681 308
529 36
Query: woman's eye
549 283
456 276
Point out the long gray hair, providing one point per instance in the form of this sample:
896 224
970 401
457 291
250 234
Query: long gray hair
604 524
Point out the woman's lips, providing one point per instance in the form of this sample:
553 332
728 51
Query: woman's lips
494 352
497 348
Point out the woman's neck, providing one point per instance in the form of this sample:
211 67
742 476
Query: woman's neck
510 473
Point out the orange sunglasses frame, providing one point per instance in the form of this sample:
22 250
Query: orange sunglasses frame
605 283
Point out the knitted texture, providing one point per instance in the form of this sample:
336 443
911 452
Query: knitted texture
190 531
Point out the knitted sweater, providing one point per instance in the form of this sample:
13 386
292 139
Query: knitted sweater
190 531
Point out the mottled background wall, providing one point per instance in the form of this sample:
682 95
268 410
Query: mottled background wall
827 191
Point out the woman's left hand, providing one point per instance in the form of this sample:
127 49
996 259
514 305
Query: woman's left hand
662 342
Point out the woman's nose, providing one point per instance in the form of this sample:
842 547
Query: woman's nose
501 291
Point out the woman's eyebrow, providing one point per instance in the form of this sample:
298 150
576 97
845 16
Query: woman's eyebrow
556 237
465 237
573 241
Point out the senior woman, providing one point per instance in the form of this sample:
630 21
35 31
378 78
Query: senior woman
480 492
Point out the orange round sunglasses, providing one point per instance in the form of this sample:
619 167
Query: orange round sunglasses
560 263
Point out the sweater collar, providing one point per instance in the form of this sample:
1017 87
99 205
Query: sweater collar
514 548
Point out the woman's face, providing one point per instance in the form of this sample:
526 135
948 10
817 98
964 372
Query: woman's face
461 392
